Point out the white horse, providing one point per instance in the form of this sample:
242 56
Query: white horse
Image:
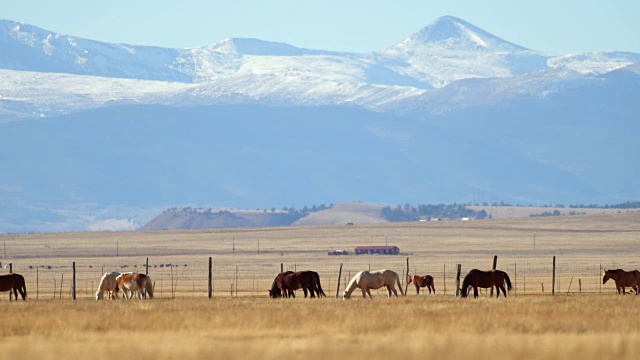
138 283
108 283
366 280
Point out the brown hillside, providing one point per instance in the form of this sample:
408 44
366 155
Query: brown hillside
355 212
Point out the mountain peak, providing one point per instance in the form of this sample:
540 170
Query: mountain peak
457 34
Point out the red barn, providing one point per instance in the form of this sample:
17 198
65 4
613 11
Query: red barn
379 250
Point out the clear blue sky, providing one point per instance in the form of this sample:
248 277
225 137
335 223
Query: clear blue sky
552 26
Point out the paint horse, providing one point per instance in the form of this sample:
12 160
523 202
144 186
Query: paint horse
485 279
285 283
108 284
14 282
134 283
421 281
623 279
367 280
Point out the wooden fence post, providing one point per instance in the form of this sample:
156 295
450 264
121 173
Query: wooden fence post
458 279
10 272
495 263
406 283
281 268
73 282
580 286
600 282
339 276
210 292
553 278
444 279
146 267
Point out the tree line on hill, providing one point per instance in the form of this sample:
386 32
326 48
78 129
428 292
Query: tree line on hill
430 212
288 215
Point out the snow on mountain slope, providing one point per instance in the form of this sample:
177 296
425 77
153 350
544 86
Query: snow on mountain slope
594 62
451 49
40 94
32 94
256 71
26 47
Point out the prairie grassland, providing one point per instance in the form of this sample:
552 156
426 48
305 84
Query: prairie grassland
524 327
586 326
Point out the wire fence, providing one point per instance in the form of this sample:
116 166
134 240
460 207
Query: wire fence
233 278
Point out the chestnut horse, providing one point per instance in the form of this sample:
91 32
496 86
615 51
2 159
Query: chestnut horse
623 279
13 282
285 283
421 281
485 279
130 283
275 291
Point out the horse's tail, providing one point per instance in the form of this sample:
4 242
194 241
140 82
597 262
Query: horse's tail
22 288
320 291
508 281
148 286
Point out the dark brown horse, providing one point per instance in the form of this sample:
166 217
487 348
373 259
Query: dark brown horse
421 281
275 291
285 283
623 279
13 282
485 279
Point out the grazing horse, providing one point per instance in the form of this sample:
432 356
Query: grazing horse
366 280
421 281
485 279
130 283
623 279
13 282
109 284
285 283
275 291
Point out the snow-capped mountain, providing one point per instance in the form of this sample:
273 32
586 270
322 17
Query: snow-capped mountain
256 71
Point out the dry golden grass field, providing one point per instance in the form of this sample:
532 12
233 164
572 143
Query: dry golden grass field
585 321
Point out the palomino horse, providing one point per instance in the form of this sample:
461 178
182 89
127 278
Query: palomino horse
623 279
421 281
109 284
485 279
13 282
130 283
366 280
285 283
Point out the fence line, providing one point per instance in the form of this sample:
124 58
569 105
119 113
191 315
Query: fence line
250 278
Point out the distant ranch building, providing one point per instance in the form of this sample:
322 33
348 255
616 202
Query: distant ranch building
377 250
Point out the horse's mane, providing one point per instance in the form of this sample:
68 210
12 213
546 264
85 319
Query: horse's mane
467 277
466 280
353 284
103 283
